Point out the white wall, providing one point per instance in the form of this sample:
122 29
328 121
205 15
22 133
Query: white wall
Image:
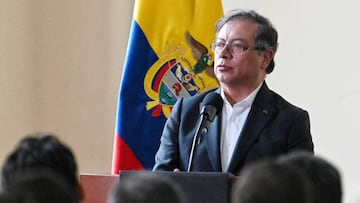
16 80
61 60
317 68
60 67
80 49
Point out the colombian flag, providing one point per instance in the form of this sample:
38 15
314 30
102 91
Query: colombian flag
168 57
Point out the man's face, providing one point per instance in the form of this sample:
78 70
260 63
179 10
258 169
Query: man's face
239 67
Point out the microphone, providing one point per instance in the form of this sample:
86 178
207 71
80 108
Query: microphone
211 106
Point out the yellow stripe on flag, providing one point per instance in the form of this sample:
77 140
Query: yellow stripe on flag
166 22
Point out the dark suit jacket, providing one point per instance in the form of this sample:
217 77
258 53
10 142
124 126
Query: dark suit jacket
273 127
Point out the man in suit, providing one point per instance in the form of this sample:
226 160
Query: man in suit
254 122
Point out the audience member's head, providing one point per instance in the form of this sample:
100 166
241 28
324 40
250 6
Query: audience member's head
38 152
324 176
271 182
146 187
38 186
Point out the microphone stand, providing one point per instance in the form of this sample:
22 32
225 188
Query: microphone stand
200 131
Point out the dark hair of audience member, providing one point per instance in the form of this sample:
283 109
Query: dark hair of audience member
325 177
38 186
270 182
146 187
41 151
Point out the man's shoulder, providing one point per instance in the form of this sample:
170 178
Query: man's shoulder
268 96
283 103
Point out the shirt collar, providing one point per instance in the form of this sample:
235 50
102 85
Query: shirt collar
248 100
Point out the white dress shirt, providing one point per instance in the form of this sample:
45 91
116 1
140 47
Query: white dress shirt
233 120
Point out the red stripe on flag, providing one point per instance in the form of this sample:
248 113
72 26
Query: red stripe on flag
162 72
123 157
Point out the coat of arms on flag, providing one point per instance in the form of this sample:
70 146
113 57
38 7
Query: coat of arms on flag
168 57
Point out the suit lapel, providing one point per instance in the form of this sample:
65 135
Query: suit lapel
260 113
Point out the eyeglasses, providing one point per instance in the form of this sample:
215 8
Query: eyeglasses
234 48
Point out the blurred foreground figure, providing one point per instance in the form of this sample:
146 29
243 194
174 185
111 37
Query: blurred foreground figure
41 152
324 176
38 186
271 182
147 187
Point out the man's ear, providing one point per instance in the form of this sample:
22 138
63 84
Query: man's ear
268 56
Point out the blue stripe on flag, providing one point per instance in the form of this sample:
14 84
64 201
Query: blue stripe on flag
135 124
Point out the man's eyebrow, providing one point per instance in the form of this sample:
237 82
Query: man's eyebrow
239 39
234 39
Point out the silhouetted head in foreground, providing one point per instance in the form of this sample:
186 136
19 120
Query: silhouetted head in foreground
146 187
38 186
324 176
42 151
271 182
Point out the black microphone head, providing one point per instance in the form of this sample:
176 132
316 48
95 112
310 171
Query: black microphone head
213 99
